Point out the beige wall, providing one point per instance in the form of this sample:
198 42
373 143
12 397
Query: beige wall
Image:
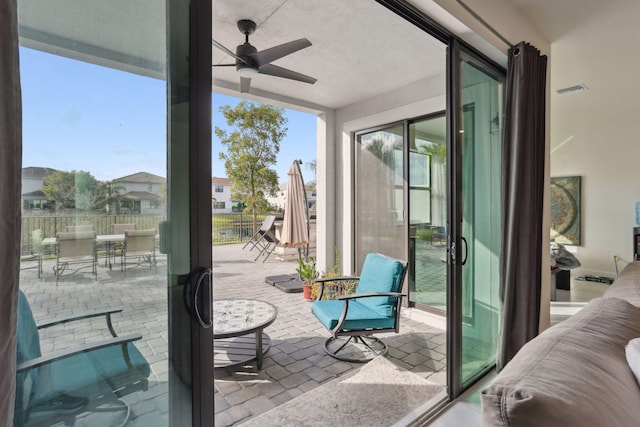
594 134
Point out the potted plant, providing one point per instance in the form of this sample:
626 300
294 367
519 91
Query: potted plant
308 274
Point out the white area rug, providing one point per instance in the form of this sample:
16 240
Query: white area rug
378 394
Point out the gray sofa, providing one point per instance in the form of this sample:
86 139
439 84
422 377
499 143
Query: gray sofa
576 372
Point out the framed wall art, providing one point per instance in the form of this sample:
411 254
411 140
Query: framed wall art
566 221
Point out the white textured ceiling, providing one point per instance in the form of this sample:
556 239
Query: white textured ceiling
359 49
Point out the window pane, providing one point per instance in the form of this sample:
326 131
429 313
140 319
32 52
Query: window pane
379 194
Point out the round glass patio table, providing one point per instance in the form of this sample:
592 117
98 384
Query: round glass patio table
238 336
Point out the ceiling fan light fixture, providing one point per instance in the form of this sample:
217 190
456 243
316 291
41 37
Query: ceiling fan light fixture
247 72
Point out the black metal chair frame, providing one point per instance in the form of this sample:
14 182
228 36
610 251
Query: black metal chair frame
270 244
361 337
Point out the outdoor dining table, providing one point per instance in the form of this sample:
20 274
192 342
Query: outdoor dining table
109 241
238 336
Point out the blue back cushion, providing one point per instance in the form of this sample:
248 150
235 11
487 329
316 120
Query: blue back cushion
28 338
380 274
28 347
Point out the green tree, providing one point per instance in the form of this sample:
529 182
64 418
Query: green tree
107 194
252 144
313 167
71 190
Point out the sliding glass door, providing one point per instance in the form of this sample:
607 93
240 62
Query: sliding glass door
475 245
116 141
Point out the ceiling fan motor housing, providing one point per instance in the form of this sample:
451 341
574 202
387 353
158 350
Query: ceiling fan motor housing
243 51
246 26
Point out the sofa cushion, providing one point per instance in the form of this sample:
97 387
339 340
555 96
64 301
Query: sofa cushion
627 284
573 374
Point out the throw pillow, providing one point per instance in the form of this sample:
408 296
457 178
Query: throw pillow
632 351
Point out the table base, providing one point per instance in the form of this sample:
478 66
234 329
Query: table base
239 350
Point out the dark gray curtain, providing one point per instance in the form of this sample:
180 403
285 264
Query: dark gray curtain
523 185
10 186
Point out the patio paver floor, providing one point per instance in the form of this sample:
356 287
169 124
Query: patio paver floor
295 364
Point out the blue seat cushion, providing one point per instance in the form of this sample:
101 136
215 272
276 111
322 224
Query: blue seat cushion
359 316
380 274
96 366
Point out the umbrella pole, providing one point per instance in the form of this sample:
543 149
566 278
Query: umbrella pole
306 211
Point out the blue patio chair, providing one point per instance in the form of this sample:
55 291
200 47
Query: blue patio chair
89 377
373 308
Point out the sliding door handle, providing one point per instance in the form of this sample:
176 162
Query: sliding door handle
466 251
200 308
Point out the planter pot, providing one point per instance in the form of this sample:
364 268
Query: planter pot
306 292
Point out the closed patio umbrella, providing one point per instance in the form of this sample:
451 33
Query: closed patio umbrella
295 230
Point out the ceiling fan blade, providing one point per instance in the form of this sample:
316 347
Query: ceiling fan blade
227 51
269 55
274 70
223 65
245 82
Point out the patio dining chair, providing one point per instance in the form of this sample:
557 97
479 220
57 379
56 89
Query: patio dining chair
121 228
269 243
77 228
141 246
33 253
75 250
373 308
439 234
115 248
258 240
84 378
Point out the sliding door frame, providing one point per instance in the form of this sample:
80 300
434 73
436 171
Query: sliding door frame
458 52
454 112
188 232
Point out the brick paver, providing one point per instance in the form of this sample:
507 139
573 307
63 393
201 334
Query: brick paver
295 364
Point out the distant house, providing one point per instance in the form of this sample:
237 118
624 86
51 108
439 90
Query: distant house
279 201
32 196
142 193
221 197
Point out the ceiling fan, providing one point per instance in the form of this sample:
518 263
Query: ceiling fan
250 62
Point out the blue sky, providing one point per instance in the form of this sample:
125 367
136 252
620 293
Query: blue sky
111 123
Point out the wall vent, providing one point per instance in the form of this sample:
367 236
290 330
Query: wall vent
572 89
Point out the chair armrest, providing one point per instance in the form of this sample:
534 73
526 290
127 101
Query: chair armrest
371 294
335 279
86 315
69 352
322 281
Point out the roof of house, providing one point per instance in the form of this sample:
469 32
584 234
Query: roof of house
139 195
36 172
142 177
221 181
37 195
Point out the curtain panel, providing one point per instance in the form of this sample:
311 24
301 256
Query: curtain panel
523 186
10 191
